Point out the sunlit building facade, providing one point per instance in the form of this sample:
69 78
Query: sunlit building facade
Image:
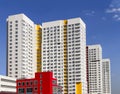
106 76
21 58
94 69
64 53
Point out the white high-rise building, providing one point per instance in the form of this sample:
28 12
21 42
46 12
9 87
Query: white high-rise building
106 76
53 49
94 69
64 53
21 55
76 50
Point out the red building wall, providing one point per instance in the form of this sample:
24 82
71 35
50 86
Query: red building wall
46 78
43 83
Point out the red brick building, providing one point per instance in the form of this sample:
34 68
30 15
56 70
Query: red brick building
43 83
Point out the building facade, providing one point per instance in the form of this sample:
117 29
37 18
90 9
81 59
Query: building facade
94 69
43 83
106 76
64 53
38 47
21 56
7 85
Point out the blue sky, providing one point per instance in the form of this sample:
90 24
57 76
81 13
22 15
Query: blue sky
102 18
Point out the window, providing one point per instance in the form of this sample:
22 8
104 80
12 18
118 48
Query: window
23 83
40 75
27 83
10 54
19 83
10 58
54 82
40 88
40 81
29 90
16 32
16 25
16 21
31 83
10 22
21 90
10 33
35 88
16 61
10 36
35 82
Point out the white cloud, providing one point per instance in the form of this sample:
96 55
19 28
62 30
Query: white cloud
115 16
118 19
114 9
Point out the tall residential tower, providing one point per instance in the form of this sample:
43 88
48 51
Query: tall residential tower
94 69
64 53
106 76
21 58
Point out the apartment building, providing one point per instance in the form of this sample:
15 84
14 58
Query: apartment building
64 53
94 69
21 58
60 47
106 76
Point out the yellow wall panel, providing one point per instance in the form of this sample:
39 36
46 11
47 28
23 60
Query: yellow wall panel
78 88
38 46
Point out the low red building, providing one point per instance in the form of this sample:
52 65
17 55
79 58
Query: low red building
43 83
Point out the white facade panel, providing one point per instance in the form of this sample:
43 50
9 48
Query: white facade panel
7 84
